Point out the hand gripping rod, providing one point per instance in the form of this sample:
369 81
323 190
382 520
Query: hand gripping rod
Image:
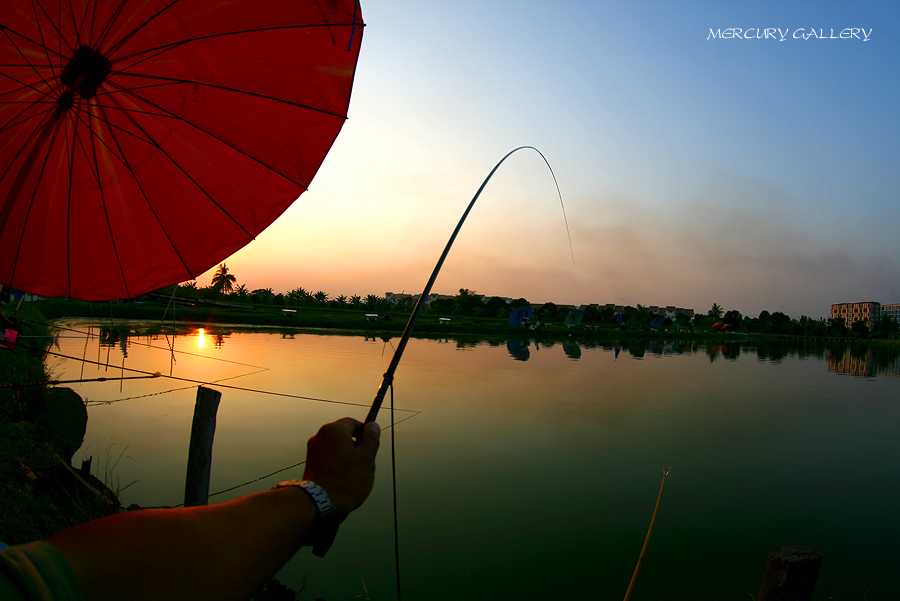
325 537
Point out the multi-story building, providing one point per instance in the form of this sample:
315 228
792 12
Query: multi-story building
892 311
868 311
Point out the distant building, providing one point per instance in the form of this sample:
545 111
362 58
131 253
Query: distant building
892 311
868 311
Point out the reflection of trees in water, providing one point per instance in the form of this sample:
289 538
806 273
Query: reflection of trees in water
842 356
110 337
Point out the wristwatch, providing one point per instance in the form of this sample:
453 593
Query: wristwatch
326 526
315 492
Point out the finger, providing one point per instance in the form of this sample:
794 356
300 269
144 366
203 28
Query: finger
370 439
348 425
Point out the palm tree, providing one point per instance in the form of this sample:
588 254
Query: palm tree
241 291
320 297
262 295
715 311
372 301
223 281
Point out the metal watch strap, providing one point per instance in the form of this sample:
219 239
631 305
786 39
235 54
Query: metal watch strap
315 492
326 526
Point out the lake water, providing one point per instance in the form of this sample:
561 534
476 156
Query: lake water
530 470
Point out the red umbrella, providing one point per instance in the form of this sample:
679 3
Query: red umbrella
142 142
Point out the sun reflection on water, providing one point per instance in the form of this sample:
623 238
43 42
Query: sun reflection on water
201 338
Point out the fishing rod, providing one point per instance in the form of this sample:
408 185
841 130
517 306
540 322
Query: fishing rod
81 381
388 378
328 532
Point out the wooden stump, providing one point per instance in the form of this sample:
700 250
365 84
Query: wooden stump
203 429
791 574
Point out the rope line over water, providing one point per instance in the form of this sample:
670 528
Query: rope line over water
209 383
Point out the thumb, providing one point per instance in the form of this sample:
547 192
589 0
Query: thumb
371 438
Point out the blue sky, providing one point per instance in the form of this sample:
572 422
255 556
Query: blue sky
754 173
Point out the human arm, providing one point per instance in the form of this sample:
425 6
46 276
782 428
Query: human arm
223 551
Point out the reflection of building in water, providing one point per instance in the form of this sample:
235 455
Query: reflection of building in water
849 363
868 311
864 362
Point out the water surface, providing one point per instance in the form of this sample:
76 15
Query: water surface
530 470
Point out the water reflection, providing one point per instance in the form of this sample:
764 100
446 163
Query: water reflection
853 358
768 449
866 361
518 350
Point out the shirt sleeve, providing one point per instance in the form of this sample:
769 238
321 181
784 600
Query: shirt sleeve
37 572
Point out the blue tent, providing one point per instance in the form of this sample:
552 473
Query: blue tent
519 316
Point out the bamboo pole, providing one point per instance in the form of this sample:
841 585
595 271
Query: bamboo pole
637 568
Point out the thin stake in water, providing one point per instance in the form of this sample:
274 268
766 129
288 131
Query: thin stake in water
637 568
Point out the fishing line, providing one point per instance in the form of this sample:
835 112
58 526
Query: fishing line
394 489
80 381
162 392
284 469
226 386
388 379
89 335
398 352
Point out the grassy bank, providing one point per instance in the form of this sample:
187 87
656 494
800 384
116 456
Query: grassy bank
336 319
40 493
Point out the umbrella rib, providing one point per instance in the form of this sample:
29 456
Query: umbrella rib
140 26
174 81
149 139
53 24
93 164
108 25
40 142
30 64
43 45
149 53
137 182
22 116
232 146
95 167
37 133
162 112
255 159
40 44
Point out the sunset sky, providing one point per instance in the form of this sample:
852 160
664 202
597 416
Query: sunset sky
753 173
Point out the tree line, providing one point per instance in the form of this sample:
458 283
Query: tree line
468 303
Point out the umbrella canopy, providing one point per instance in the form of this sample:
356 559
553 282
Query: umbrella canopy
574 317
142 142
520 315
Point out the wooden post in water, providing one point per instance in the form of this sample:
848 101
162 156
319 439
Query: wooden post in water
791 574
203 429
